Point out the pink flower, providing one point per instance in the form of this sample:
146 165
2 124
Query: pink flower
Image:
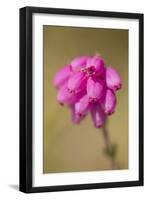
95 89
95 65
65 97
62 76
98 116
88 86
76 118
82 106
77 82
113 79
109 102
78 63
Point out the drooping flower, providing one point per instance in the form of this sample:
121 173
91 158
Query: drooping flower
78 63
98 116
62 76
113 79
82 106
109 102
95 89
76 118
86 85
77 82
65 97
68 98
95 65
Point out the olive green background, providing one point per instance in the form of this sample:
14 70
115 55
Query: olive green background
69 147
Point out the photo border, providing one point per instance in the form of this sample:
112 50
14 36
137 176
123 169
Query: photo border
26 98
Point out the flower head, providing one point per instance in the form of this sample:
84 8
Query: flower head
86 85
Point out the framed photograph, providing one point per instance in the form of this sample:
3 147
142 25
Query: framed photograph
81 99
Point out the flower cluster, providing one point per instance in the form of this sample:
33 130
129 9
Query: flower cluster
86 85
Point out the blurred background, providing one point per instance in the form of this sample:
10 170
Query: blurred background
69 147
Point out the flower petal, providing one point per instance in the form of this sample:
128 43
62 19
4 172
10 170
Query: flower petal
77 82
95 89
113 79
75 117
65 97
98 116
109 102
62 76
79 63
96 63
82 106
